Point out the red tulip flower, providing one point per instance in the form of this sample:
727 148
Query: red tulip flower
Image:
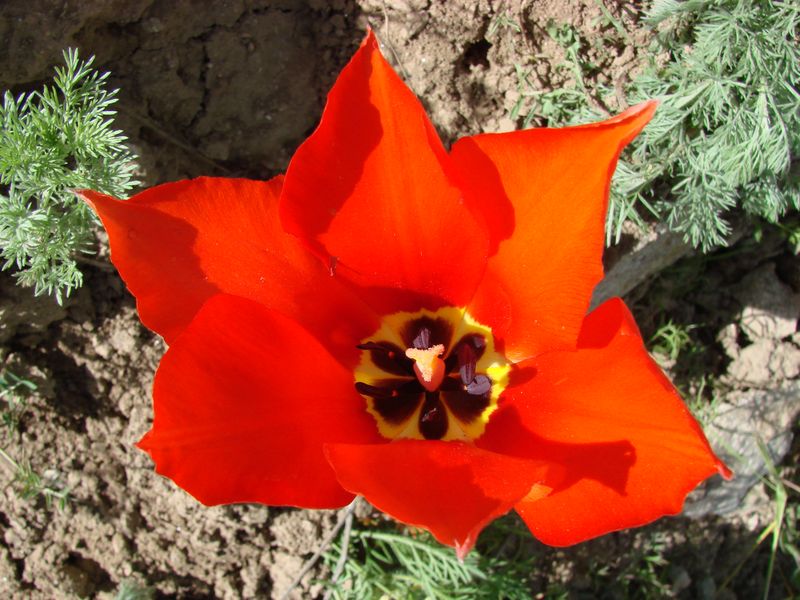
408 324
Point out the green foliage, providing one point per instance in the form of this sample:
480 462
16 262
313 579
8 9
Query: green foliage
782 531
400 565
783 528
502 21
639 573
790 229
728 129
34 485
130 589
670 339
726 135
644 576
565 104
14 392
53 142
31 485
676 347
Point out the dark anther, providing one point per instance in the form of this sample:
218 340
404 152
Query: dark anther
389 358
463 405
457 358
480 386
384 348
466 363
423 339
431 414
433 418
397 409
372 346
425 332
373 391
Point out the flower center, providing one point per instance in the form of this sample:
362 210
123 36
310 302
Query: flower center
431 375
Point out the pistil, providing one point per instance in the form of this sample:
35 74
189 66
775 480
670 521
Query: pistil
428 366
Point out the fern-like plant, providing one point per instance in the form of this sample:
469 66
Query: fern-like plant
726 136
396 564
53 142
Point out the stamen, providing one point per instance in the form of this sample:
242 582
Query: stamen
431 375
481 385
373 391
370 346
379 348
423 339
466 363
428 366
433 418
388 357
469 348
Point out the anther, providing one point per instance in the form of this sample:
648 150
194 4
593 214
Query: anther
371 346
430 415
479 386
466 363
433 418
423 339
374 392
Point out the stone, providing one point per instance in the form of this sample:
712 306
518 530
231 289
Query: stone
771 308
763 362
744 422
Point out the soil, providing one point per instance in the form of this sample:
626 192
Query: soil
231 88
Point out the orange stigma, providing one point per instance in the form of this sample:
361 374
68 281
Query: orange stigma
428 366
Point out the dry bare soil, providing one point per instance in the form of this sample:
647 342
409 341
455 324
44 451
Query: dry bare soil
232 88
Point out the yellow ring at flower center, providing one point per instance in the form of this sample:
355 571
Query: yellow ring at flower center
460 408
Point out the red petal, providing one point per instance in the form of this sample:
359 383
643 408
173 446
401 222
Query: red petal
244 401
178 244
630 449
369 188
452 489
543 195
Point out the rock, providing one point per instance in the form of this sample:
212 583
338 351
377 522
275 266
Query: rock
653 251
744 421
764 362
681 580
707 589
771 308
766 413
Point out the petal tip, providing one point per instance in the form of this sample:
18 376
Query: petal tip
370 39
635 119
648 108
90 197
724 471
144 443
463 548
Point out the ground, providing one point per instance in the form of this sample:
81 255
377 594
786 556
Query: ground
232 88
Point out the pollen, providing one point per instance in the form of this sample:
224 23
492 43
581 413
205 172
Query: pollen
428 365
